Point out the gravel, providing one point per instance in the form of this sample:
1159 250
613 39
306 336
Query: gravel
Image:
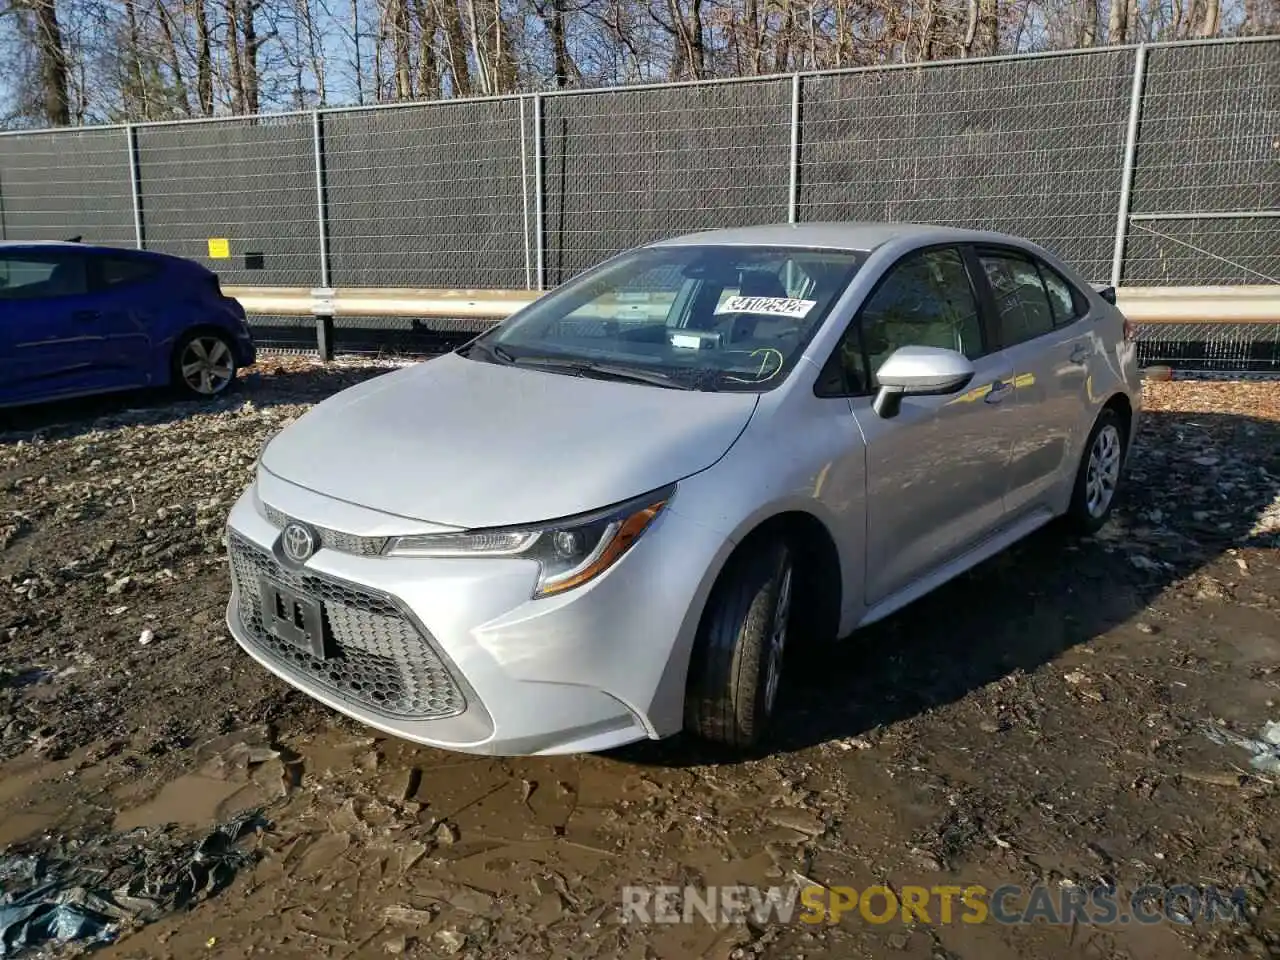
1038 720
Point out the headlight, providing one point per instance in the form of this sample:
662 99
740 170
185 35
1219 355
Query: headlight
569 552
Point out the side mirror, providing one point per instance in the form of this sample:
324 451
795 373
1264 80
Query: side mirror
920 372
1106 292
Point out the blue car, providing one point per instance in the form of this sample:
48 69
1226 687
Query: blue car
77 319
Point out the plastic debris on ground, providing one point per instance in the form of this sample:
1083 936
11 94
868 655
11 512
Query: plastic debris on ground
88 892
1265 749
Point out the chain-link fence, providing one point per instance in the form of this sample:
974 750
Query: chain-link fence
628 167
1150 165
251 181
426 196
1030 147
1206 174
56 186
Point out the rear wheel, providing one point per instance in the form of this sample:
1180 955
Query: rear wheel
736 669
1098 478
204 364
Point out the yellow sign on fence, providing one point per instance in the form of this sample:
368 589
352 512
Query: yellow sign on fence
219 248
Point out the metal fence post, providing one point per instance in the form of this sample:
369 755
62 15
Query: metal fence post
135 189
524 199
540 234
322 308
793 189
322 219
1126 174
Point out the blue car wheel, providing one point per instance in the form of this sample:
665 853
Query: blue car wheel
204 363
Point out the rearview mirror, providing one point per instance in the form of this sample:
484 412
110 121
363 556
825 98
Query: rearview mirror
920 372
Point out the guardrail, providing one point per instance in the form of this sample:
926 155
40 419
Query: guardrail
382 302
1144 305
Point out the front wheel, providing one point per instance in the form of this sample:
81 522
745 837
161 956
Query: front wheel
1099 475
737 660
204 364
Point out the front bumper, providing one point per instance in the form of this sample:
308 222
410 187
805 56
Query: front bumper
453 652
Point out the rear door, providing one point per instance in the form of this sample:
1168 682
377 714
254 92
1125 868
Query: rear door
1042 326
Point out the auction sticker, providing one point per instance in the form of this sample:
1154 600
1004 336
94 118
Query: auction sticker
771 306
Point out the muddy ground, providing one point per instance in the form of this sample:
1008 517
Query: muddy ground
1038 720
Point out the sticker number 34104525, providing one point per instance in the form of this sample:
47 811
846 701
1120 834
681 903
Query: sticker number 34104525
772 306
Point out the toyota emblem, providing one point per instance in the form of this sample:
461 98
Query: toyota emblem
298 542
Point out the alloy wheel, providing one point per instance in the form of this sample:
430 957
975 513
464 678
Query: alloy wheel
1103 472
207 366
777 636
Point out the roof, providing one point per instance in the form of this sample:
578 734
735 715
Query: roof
5 244
836 236
76 245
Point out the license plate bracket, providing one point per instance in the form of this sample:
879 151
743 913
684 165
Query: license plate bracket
295 619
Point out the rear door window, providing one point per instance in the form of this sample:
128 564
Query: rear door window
1023 311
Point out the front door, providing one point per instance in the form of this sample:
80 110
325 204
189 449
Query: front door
935 471
53 342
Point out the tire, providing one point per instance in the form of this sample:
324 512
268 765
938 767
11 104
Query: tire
1098 478
203 364
737 658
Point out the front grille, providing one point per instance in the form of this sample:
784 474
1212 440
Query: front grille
381 660
333 539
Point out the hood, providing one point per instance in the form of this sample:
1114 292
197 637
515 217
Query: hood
471 444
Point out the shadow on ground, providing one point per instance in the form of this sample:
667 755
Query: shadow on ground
1197 485
273 381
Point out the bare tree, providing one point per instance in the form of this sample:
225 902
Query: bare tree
1212 18
552 14
204 57
173 55
395 15
1087 24
69 61
51 55
428 69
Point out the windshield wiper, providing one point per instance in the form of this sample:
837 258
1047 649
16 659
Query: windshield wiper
605 371
495 350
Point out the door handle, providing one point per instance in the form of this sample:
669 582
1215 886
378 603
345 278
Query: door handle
1080 353
998 390
84 316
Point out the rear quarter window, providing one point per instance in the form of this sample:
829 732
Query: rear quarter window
1068 303
118 271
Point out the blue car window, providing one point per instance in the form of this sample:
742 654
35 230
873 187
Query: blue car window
37 275
115 271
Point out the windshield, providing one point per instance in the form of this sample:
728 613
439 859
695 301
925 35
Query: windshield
693 317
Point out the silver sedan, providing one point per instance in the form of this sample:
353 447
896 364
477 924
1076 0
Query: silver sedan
610 517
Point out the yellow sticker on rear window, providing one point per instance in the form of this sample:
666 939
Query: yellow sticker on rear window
219 248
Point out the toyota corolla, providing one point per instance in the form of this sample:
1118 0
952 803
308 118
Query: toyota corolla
611 516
